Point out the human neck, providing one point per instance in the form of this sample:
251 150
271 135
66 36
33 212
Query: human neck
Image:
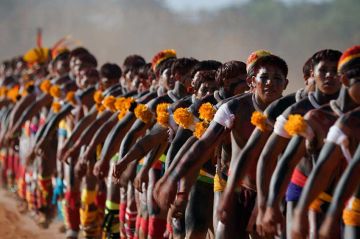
179 90
344 101
260 103
322 98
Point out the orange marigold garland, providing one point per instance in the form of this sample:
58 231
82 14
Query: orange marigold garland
45 86
98 97
259 120
162 114
56 107
200 129
121 114
143 113
100 108
55 91
70 97
13 94
295 125
119 103
109 103
207 112
183 118
3 91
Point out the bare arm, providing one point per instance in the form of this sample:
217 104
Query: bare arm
32 110
266 165
320 176
281 177
349 181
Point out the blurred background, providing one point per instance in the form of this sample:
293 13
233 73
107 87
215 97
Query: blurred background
205 29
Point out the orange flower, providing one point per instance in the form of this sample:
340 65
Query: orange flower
200 129
121 114
183 117
162 114
13 93
207 112
100 108
143 113
119 103
98 97
295 125
259 120
45 86
109 103
3 91
70 97
56 107
55 91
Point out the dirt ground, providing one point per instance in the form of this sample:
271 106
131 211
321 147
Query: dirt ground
17 226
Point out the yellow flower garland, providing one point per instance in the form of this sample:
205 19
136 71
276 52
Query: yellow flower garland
295 125
121 114
119 103
259 120
143 113
55 91
162 114
45 86
109 103
183 117
200 129
98 97
56 107
207 112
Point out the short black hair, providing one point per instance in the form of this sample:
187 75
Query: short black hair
110 71
206 65
229 70
204 76
307 68
326 54
79 51
183 65
64 56
133 62
88 59
269 60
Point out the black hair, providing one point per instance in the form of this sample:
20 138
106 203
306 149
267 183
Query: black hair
110 71
307 68
229 70
88 59
327 54
165 64
206 65
183 65
204 76
63 56
268 60
133 62
78 51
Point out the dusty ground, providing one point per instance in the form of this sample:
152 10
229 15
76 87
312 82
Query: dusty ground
17 226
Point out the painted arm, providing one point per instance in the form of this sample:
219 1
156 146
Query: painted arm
85 136
100 137
75 134
31 111
112 144
20 107
319 179
156 136
347 185
240 163
266 166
